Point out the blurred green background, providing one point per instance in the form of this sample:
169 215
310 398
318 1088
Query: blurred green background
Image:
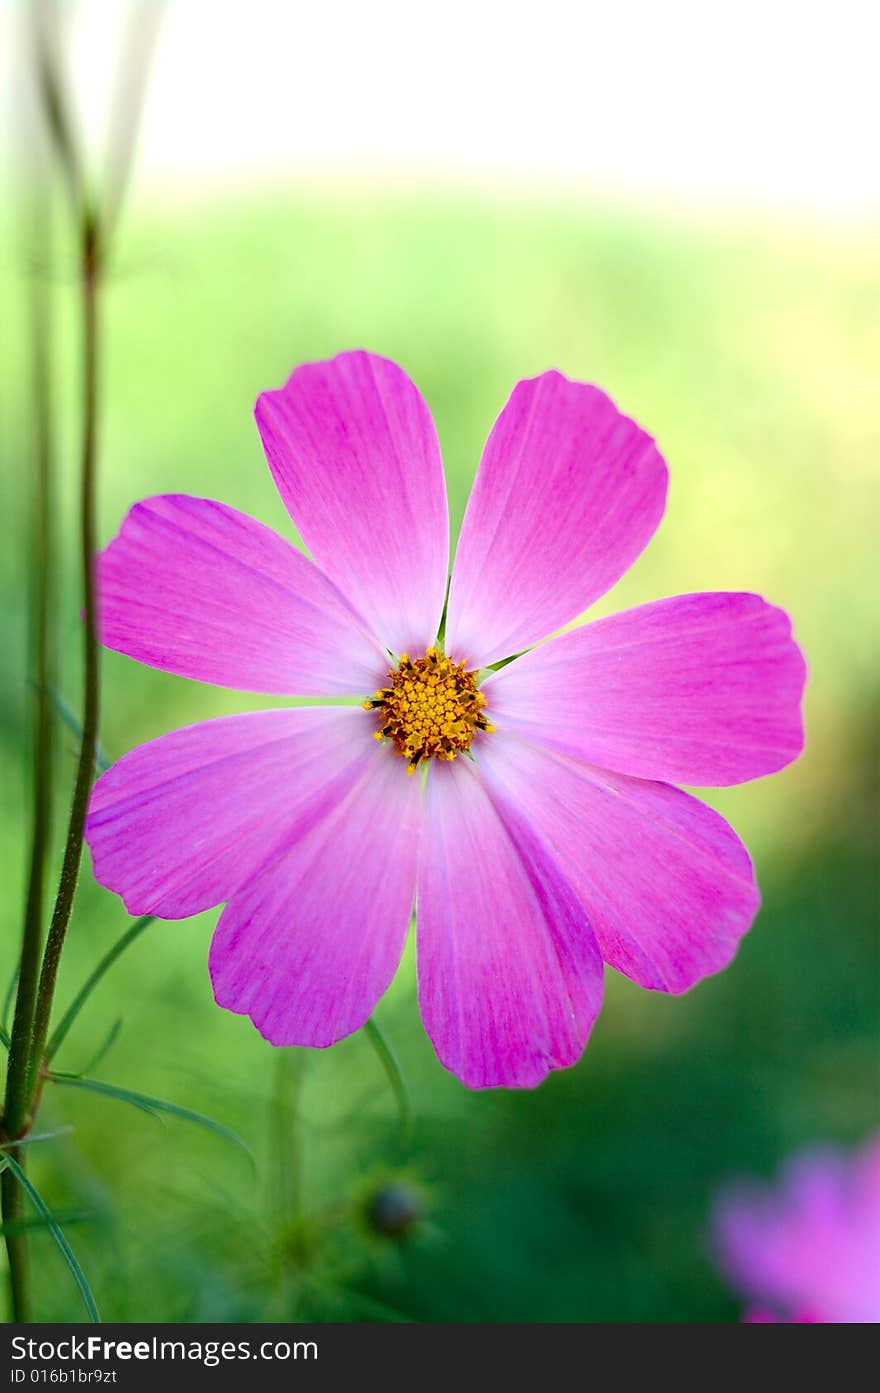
750 350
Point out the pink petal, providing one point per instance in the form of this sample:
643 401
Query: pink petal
568 493
510 979
699 689
178 824
665 882
193 587
354 453
308 947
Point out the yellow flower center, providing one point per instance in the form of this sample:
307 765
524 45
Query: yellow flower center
430 708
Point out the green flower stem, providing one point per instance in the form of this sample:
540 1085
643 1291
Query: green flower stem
44 661
35 994
388 1060
293 1253
90 269
50 1221
60 1032
26 1072
286 1123
16 1103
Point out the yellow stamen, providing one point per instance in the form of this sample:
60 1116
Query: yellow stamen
430 708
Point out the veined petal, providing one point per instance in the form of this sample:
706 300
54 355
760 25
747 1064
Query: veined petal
510 978
180 823
667 885
698 689
568 493
193 587
354 454
307 948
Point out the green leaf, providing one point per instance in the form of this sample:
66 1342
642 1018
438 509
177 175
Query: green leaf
110 1090
57 1233
4 1036
154 1106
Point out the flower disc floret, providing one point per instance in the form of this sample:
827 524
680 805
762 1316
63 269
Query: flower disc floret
431 708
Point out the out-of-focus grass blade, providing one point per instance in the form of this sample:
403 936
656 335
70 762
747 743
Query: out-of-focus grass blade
155 1106
38 1136
4 1036
57 1233
59 1034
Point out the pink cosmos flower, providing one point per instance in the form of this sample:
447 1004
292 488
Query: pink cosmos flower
543 834
808 1248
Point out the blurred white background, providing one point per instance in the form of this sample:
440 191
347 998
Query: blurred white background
744 103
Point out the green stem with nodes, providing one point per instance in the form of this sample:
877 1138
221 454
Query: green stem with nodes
42 552
15 1237
16 1102
90 269
35 993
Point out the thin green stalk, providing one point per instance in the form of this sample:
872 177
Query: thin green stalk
71 720
36 980
90 278
17 1095
53 96
286 1162
17 1098
60 1032
388 1060
287 1132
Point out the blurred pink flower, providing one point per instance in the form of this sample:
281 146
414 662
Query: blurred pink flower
808 1248
546 836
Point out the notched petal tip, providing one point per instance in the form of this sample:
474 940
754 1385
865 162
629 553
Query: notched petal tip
354 454
336 365
568 493
701 690
276 1032
193 587
665 883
